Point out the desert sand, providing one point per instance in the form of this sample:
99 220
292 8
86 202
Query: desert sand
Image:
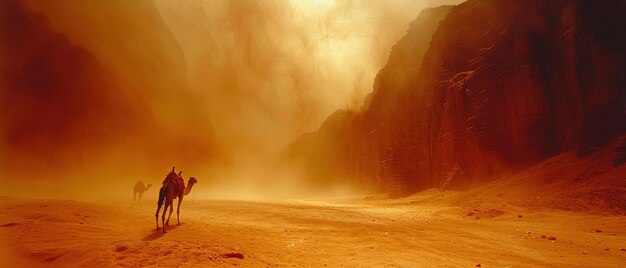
429 229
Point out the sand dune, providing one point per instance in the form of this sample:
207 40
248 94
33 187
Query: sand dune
425 230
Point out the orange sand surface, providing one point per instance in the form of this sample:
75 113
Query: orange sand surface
429 229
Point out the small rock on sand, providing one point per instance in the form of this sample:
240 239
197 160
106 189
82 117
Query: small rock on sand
598 231
622 249
233 255
543 236
551 237
478 265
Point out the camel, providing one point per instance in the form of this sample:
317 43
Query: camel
173 187
139 189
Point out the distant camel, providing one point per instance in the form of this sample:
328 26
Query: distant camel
173 187
139 189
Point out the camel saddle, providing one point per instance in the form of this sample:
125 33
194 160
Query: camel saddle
173 178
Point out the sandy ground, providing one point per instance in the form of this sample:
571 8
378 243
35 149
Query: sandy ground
423 230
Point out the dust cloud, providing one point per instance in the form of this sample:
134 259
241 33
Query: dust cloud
270 71
216 88
279 68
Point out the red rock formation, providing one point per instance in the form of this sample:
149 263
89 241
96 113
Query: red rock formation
503 85
60 103
361 145
55 93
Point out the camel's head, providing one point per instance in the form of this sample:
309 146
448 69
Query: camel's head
192 180
149 185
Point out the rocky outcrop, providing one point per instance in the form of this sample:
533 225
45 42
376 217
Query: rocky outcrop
503 85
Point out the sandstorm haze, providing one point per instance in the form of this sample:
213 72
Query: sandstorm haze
97 95
270 71
482 133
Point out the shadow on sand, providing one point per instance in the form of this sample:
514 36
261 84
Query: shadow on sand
156 234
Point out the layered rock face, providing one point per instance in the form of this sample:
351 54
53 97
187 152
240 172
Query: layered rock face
503 85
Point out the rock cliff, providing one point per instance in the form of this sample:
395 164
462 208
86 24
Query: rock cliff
501 85
107 89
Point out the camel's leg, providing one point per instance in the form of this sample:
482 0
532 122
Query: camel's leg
180 200
167 203
156 215
134 195
169 215
140 195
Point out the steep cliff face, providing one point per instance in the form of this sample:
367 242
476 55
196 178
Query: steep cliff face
131 38
503 85
53 91
353 144
80 99
522 88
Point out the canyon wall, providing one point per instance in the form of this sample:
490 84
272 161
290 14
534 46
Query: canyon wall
93 89
502 85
